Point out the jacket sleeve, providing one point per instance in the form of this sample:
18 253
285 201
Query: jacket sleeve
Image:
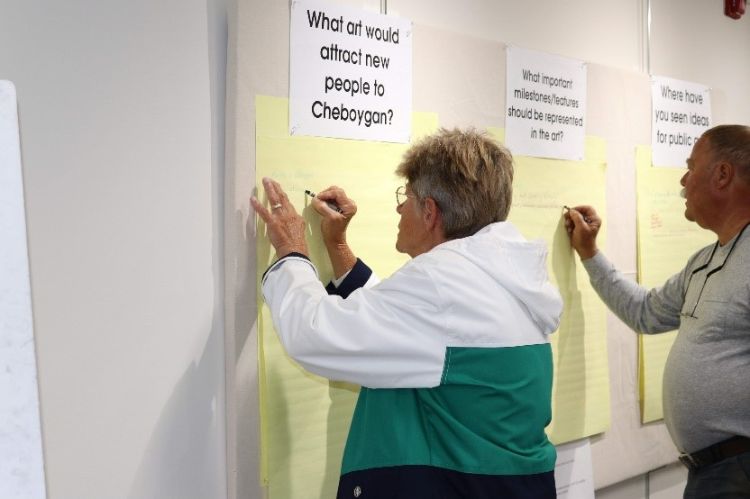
360 276
646 311
387 336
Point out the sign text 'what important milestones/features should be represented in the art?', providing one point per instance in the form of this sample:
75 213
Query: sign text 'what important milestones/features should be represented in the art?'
350 73
681 112
545 105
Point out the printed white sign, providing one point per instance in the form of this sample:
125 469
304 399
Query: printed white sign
21 462
545 105
350 73
574 475
681 112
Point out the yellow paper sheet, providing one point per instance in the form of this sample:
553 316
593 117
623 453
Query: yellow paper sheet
665 242
580 397
305 418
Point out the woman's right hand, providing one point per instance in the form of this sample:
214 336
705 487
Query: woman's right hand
333 224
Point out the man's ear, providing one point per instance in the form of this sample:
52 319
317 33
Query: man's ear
723 174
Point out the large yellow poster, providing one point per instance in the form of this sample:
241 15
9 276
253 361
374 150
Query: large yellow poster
541 187
665 242
305 418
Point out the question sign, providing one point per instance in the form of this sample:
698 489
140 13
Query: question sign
545 105
350 73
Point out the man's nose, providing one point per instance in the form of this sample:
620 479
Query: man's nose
684 178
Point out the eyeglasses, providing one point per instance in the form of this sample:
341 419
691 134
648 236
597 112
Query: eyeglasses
686 312
401 195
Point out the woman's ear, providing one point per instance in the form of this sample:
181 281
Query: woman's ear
431 215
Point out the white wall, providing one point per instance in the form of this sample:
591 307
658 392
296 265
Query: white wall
694 41
607 32
114 104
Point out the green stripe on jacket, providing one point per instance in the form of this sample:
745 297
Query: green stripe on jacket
487 416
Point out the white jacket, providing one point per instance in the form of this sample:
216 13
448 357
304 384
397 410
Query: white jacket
487 290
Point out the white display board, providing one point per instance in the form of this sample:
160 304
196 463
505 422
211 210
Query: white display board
574 473
21 461
680 113
545 105
349 73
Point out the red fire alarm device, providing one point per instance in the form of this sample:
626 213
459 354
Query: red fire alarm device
734 8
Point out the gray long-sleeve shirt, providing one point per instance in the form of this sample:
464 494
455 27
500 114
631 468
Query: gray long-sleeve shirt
706 394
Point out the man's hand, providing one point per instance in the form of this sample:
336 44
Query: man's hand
286 229
583 224
333 227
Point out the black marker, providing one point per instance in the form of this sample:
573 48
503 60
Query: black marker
330 204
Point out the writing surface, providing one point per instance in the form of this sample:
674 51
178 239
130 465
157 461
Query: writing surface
21 459
305 418
580 397
666 239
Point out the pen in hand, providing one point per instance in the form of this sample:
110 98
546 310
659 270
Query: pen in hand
585 219
330 204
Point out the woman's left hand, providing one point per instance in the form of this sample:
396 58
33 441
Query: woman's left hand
286 228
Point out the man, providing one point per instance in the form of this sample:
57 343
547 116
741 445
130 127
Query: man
451 351
706 394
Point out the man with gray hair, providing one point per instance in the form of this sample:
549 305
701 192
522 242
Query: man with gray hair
452 351
706 396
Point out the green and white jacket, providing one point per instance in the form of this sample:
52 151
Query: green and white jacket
452 352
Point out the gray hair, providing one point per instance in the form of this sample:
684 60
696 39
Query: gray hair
469 176
731 143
